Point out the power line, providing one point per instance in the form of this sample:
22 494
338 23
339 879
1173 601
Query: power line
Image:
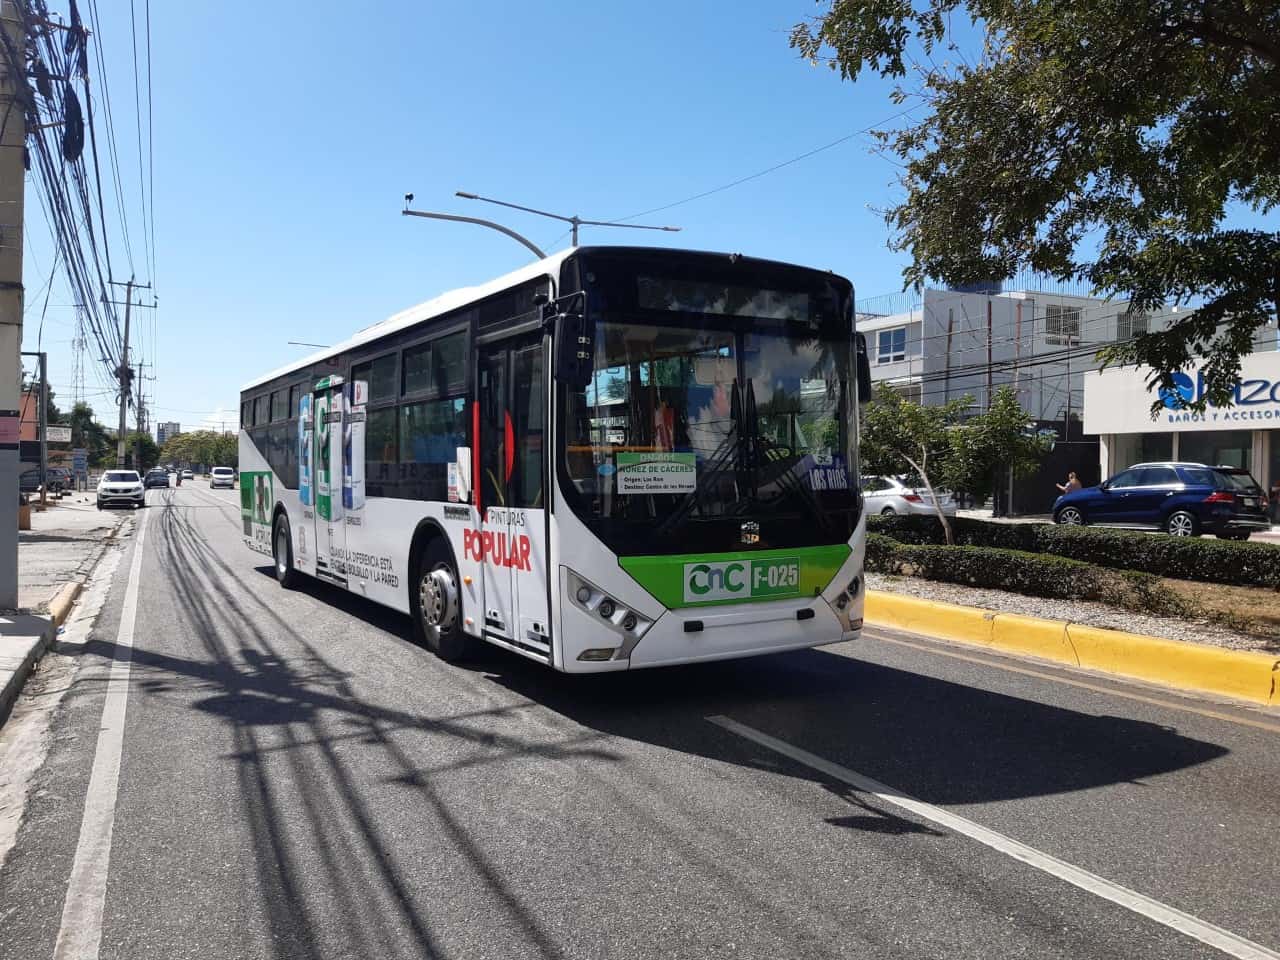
151 155
137 112
767 170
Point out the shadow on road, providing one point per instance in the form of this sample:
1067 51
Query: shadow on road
943 742
289 707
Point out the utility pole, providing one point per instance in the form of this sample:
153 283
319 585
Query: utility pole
124 373
13 139
142 422
44 429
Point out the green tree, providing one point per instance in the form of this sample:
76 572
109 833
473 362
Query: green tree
88 433
899 436
1095 140
150 453
989 445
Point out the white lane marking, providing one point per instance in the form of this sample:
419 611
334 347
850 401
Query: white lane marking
80 934
1207 933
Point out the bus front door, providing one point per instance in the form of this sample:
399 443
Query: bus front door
326 479
512 391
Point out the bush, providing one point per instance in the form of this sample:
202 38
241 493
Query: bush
1183 558
1035 574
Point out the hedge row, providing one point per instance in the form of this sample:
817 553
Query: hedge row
1183 558
1035 574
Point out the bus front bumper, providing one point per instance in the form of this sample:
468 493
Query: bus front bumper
695 635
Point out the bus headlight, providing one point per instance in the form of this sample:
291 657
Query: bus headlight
612 613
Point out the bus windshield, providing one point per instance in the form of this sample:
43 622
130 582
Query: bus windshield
717 419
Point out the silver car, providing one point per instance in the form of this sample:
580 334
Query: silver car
893 495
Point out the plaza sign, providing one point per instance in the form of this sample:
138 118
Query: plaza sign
1118 401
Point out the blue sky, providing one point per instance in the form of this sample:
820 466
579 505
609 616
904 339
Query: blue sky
286 134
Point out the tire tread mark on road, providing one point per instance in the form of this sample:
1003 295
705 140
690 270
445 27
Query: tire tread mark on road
715 864
185 544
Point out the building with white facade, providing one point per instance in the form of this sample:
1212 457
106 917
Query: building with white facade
1118 408
941 345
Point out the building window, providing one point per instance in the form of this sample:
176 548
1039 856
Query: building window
295 395
279 405
261 412
1061 325
1131 323
891 345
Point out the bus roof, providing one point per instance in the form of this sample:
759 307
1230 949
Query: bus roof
460 297
441 304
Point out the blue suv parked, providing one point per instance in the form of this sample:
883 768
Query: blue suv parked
1184 499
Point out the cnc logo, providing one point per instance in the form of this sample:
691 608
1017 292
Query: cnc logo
716 581
747 579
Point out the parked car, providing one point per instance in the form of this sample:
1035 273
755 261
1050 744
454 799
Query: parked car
30 480
186 474
60 480
156 477
893 495
222 477
121 486
1184 499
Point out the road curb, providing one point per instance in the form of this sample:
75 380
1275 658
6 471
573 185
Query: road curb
1243 675
19 654
60 606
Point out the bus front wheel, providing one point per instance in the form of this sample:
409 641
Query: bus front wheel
436 604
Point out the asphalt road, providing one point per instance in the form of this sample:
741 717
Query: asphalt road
297 780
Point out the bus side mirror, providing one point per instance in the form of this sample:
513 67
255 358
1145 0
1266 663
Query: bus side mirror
575 344
864 369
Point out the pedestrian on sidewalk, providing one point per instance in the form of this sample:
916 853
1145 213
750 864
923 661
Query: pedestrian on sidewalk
1072 485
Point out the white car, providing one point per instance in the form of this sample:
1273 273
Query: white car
892 495
222 477
186 474
121 486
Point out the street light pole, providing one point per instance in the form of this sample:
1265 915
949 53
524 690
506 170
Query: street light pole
574 222
483 223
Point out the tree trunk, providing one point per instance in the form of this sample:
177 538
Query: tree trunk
933 498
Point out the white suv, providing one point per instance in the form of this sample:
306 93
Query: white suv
121 486
222 477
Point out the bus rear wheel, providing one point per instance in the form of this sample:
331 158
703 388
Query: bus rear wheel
436 604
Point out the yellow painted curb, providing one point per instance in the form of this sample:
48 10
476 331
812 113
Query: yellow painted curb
1242 674
60 606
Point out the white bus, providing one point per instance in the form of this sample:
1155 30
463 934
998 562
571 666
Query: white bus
615 457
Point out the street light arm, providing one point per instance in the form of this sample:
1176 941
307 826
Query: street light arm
484 223
516 206
630 226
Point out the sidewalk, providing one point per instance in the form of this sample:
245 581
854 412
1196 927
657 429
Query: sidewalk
55 557
61 547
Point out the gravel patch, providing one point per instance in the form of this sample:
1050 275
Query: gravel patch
1075 611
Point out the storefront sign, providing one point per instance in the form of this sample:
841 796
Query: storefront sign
1118 400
